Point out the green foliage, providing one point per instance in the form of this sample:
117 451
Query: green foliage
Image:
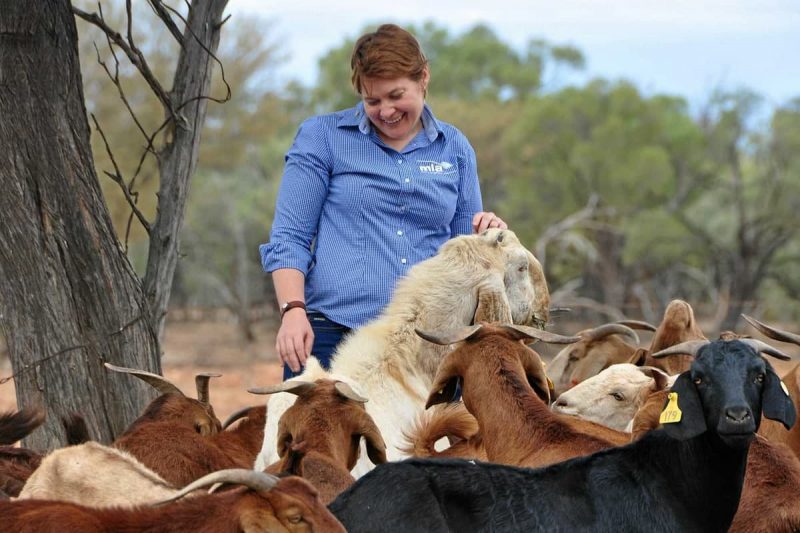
475 65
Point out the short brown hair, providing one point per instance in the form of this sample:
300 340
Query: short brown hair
387 53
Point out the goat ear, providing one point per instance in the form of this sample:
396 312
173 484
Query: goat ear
493 306
443 391
376 448
535 373
284 437
693 418
776 404
445 384
639 357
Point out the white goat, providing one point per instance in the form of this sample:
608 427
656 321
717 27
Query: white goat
613 396
96 476
486 277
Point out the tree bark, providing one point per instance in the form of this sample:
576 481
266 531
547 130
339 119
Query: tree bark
178 158
69 297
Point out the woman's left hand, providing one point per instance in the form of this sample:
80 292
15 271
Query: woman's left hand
485 220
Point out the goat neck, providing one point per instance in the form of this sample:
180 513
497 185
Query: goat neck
517 426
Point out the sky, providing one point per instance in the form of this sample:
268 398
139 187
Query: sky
679 47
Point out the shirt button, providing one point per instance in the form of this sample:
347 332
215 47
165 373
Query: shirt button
403 260
399 232
399 161
407 180
402 209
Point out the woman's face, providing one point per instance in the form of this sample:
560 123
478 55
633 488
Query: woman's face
394 106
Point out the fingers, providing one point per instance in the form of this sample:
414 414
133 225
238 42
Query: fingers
294 340
485 220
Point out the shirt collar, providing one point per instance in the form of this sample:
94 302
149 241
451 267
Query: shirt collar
356 117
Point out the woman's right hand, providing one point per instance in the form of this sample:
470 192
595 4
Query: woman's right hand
295 338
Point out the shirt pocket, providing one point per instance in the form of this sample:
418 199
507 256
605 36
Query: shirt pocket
436 195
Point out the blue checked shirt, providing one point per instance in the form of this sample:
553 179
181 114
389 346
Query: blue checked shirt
354 215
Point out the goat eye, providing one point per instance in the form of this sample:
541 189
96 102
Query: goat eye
698 381
618 396
522 268
296 519
760 378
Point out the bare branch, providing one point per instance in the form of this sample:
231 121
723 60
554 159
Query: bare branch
165 17
117 178
115 80
134 55
223 21
212 55
583 217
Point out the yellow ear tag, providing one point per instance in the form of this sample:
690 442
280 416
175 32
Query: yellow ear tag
785 390
553 387
671 412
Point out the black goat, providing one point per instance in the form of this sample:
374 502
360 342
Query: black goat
685 477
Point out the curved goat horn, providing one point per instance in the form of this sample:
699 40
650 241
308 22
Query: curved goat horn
772 333
450 337
294 386
345 390
637 324
241 413
612 329
154 380
201 383
684 348
542 335
240 476
763 347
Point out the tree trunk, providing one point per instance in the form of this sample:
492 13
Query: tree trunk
69 297
178 159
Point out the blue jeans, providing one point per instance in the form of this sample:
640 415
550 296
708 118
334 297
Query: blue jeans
327 335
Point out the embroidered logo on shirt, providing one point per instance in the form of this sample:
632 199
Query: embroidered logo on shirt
436 167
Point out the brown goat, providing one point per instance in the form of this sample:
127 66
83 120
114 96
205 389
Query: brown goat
173 405
179 438
17 464
319 436
776 432
504 386
180 454
771 493
268 504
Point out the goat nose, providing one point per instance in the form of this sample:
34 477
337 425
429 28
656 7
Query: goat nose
737 415
561 402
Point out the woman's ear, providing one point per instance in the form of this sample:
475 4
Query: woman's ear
426 78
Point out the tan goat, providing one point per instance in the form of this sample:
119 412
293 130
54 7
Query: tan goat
597 349
95 475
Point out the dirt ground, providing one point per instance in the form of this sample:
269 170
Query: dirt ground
215 346
194 347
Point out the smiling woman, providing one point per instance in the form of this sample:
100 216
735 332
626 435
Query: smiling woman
366 193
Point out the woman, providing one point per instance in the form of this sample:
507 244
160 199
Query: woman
366 193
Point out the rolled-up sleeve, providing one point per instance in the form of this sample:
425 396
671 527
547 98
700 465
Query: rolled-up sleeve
469 192
302 192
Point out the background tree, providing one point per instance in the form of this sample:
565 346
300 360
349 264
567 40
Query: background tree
70 298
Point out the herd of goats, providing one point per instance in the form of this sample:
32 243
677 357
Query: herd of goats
440 416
